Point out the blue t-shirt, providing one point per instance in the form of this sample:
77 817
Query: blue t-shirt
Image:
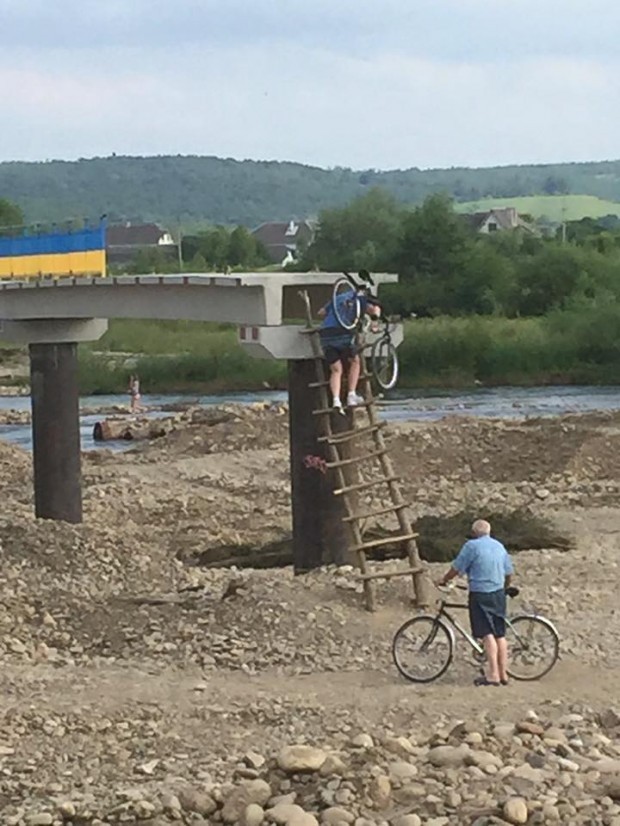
486 563
346 308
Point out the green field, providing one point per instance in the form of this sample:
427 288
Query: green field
553 207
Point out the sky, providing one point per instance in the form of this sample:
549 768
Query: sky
367 84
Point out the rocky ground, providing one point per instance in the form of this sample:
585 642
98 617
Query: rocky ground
138 686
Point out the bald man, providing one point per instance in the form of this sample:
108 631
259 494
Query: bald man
488 568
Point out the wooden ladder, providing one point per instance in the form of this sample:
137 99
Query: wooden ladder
385 479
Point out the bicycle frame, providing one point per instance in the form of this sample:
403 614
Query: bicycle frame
453 625
456 626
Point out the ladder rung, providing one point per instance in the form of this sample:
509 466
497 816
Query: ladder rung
363 485
355 459
387 540
379 512
319 384
345 408
351 434
391 574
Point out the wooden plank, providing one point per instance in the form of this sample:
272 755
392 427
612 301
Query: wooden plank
391 574
352 434
356 459
364 485
388 540
379 512
319 384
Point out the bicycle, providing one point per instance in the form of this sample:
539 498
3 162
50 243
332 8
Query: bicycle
427 642
348 311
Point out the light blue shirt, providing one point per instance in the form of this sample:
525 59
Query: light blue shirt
486 563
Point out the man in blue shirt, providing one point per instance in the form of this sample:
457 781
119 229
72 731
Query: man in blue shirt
488 568
339 343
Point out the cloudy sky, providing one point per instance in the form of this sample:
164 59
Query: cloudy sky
361 83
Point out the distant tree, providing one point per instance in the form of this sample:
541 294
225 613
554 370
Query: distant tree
365 233
152 260
198 263
241 248
555 185
10 214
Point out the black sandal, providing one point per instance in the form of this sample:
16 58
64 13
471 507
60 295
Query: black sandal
480 681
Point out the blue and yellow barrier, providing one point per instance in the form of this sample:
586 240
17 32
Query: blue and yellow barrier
79 251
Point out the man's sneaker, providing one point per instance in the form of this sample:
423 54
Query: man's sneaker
337 404
353 400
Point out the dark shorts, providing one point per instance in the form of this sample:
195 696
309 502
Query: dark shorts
487 613
337 344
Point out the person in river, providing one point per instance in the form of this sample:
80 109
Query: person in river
489 569
339 344
134 393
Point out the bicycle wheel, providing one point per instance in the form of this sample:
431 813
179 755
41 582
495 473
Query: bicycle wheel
422 649
346 304
533 647
384 363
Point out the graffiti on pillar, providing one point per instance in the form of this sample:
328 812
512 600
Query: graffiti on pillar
315 462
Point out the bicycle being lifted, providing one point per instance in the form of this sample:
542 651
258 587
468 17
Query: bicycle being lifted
423 647
346 300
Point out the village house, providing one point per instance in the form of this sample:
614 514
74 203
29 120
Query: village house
284 241
498 220
124 241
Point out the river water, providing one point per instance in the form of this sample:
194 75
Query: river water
403 405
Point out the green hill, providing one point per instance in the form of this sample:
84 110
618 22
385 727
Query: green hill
191 190
555 208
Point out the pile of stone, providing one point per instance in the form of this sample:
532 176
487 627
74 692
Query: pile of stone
478 772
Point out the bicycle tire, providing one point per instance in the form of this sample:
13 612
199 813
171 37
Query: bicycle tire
384 362
430 630
519 646
347 312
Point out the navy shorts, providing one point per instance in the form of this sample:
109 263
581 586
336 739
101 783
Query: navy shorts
487 613
337 344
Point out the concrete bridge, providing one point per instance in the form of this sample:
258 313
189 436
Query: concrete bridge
53 316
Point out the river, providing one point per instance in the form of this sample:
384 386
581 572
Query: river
403 405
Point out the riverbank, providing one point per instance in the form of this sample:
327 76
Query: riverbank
146 688
191 357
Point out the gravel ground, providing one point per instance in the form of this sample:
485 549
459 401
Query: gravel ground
137 687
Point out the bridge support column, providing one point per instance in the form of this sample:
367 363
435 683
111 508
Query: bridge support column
56 431
320 537
55 409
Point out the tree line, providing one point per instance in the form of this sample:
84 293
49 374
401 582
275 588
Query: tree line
447 268
189 191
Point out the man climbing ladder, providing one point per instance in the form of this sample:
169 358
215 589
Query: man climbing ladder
339 343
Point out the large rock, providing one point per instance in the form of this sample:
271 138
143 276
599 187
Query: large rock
336 815
407 820
515 810
380 791
401 771
194 800
251 791
612 787
284 813
443 756
301 758
253 815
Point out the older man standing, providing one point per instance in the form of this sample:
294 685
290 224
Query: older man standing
488 567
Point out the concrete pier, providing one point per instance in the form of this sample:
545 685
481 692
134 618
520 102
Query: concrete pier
320 537
56 431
